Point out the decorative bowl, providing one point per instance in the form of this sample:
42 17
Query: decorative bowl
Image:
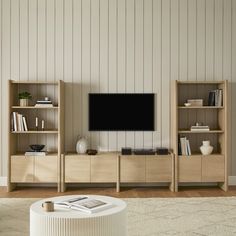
37 147
187 104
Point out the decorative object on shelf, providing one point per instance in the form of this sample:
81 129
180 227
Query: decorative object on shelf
195 102
43 124
24 98
199 127
92 152
206 148
162 151
37 123
81 145
44 103
37 147
126 151
187 104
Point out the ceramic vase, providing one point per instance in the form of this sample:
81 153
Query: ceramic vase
206 148
81 145
24 102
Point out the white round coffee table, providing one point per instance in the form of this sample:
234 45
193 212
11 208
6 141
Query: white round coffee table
67 222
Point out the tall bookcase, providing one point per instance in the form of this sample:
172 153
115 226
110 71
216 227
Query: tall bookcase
196 167
36 169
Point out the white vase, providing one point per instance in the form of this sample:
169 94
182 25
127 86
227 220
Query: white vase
206 148
81 145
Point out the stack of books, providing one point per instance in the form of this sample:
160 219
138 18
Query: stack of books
200 128
32 153
19 122
215 98
185 149
44 103
195 102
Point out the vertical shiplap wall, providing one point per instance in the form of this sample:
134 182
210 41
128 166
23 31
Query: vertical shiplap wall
116 46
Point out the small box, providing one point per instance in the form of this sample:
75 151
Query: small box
162 151
126 151
195 102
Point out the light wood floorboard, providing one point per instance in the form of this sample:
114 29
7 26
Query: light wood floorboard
127 192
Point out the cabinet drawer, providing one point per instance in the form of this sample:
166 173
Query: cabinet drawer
213 168
77 169
158 169
190 169
22 169
104 169
46 169
132 169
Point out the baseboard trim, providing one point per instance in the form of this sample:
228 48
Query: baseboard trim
3 181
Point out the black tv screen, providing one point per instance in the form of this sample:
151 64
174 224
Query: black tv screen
121 112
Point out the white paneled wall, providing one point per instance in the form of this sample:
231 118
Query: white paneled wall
116 46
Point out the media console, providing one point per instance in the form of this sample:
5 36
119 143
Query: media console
117 169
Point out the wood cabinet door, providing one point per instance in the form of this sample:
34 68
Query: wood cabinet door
46 169
213 168
77 169
158 169
22 169
132 169
189 169
104 169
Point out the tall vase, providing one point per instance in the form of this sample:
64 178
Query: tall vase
82 145
206 148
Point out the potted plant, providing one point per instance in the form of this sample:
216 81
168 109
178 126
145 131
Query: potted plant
24 98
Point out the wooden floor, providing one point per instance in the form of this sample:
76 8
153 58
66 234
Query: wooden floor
43 192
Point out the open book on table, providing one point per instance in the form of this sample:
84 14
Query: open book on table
85 204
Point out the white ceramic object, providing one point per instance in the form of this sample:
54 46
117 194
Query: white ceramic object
206 148
24 102
187 104
82 145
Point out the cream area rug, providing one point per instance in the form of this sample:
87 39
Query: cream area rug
146 216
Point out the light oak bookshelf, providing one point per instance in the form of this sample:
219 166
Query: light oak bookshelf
197 168
36 169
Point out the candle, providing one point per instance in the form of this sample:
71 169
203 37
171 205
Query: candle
36 122
42 124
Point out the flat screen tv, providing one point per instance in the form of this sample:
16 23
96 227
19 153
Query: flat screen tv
121 112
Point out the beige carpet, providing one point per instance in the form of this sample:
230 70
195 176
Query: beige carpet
146 217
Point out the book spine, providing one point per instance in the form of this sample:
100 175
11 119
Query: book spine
25 124
183 146
15 121
220 97
22 123
211 98
18 122
188 148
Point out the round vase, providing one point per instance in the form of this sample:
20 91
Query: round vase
81 145
206 148
24 102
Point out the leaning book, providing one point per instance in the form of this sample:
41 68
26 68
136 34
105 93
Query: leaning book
85 204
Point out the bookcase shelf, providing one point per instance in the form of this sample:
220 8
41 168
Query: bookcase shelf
36 132
197 167
200 132
36 169
201 107
33 107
